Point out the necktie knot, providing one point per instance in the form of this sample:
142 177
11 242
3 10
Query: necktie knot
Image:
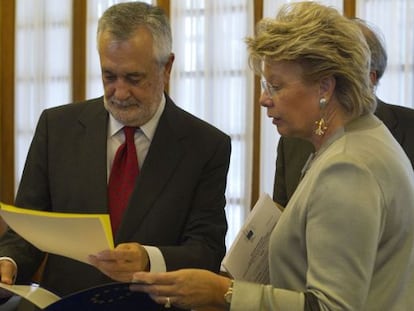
129 132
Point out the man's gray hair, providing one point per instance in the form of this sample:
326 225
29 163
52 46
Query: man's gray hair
123 19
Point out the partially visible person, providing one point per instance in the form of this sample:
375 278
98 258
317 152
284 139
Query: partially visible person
292 153
175 215
346 239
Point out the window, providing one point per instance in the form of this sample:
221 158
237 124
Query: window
395 20
43 66
212 80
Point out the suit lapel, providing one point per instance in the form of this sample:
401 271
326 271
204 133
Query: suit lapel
92 155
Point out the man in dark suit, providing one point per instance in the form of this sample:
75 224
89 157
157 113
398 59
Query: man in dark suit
292 153
175 216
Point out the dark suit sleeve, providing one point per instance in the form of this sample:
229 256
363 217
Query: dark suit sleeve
29 195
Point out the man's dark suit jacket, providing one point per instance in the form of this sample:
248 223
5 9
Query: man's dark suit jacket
177 204
292 153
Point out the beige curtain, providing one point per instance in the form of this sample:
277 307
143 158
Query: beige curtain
211 79
395 20
43 66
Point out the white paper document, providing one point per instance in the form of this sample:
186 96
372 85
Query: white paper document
247 258
71 235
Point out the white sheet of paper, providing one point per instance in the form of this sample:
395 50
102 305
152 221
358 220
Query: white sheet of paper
247 258
33 293
71 235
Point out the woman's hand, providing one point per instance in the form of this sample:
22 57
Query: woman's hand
187 288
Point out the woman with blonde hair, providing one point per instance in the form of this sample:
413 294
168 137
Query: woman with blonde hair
346 238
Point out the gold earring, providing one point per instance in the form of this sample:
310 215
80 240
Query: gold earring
321 125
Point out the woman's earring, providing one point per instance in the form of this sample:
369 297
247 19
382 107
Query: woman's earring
322 103
321 125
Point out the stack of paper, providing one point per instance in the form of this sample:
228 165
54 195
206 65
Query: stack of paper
247 258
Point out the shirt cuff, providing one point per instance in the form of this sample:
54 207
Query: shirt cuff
157 262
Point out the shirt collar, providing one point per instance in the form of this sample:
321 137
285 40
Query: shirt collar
148 128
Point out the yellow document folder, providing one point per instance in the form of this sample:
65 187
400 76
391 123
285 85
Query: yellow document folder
71 235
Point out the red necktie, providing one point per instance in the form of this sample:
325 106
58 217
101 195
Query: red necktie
124 171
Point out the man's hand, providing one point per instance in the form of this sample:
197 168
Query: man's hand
7 271
122 262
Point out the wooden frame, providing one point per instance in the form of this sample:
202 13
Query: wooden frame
79 50
7 38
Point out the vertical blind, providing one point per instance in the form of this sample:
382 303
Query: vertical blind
43 66
394 19
211 79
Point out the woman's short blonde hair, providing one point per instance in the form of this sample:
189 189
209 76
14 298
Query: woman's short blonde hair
324 43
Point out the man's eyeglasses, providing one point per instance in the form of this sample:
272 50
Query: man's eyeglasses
268 88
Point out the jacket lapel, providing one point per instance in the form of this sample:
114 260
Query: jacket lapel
92 155
164 155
